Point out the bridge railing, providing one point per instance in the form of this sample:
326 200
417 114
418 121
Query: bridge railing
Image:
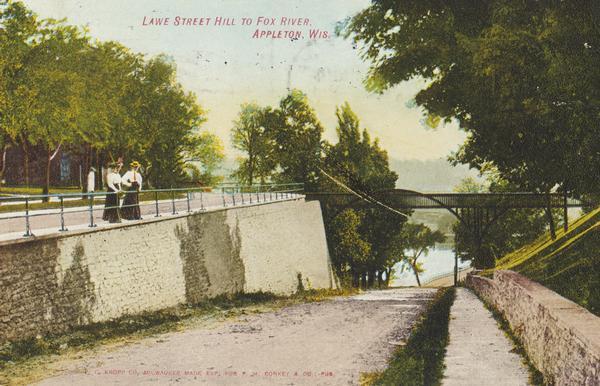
26 213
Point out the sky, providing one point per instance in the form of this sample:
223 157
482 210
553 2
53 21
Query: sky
225 66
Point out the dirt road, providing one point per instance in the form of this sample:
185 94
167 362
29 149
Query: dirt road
326 343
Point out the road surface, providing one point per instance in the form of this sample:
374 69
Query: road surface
326 343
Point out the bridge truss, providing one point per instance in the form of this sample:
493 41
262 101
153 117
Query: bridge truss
476 211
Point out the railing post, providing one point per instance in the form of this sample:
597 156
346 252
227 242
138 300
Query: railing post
242 193
258 194
27 227
91 210
173 200
223 197
187 193
202 200
62 214
156 204
233 197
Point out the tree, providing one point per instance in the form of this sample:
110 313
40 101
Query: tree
207 153
512 230
417 240
50 87
349 251
250 135
19 32
361 164
515 75
297 132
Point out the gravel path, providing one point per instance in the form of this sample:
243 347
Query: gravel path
326 343
479 353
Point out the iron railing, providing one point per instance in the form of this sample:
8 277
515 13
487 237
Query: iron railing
83 208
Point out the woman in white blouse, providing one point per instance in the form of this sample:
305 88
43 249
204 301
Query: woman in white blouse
113 187
132 180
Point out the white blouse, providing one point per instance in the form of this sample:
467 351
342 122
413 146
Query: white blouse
113 180
130 176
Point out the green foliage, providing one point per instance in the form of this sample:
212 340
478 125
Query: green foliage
509 232
59 89
569 265
282 144
516 75
360 163
421 360
250 135
349 251
414 241
297 131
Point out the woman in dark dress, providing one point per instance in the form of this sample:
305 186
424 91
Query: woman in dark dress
132 180
113 187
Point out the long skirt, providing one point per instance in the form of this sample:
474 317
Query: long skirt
131 203
111 207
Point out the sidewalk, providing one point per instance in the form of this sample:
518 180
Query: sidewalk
479 353
47 221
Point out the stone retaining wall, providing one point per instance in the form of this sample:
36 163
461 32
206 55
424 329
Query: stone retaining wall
561 338
52 283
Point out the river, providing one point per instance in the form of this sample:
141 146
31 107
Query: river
439 261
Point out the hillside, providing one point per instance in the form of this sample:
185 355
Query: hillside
569 265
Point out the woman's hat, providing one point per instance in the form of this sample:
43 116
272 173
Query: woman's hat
135 164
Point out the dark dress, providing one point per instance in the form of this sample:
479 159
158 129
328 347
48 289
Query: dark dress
111 207
131 203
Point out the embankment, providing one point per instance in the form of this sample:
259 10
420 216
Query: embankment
561 338
52 283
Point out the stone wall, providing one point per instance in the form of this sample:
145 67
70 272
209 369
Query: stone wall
561 338
52 283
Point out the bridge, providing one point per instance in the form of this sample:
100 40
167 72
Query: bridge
472 209
476 211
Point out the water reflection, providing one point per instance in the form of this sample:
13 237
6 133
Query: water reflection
439 261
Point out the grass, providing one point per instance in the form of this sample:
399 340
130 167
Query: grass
20 360
569 265
36 190
48 205
421 360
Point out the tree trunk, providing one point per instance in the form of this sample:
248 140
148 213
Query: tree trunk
4 151
250 169
414 268
550 218
46 189
371 279
380 279
363 277
355 278
26 161
388 276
